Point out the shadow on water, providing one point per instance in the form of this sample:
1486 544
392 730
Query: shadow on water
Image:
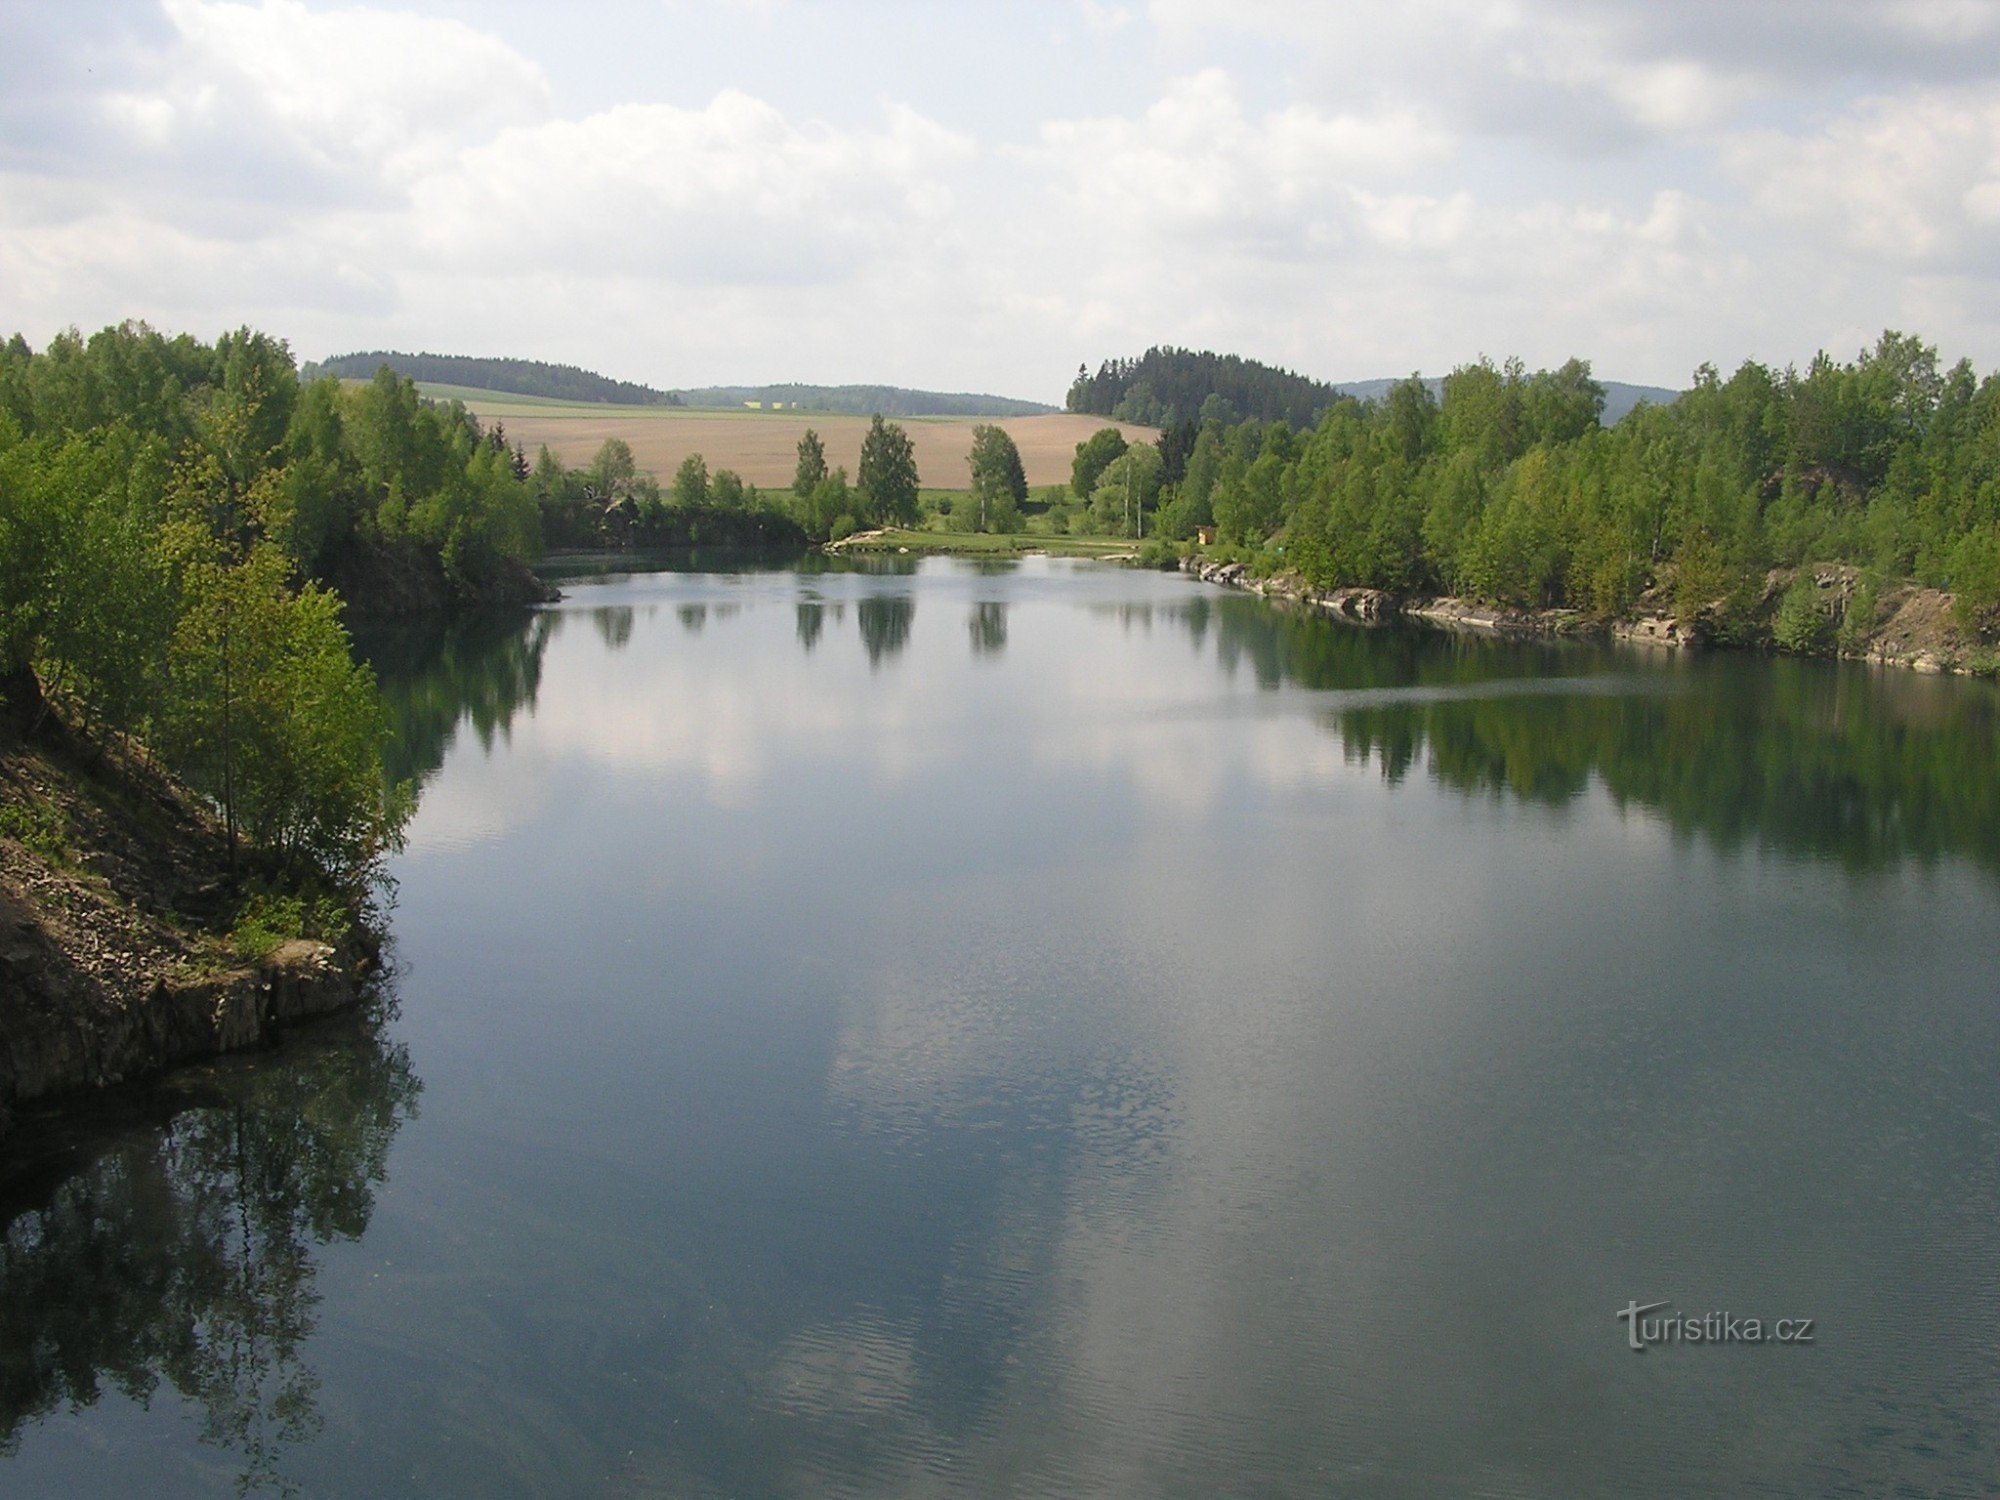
169 1238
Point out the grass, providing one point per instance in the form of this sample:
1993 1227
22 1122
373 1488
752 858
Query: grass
38 826
986 544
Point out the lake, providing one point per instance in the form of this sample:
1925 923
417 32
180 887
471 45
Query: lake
1049 1029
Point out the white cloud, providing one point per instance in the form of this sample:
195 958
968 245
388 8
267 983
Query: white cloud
357 93
1349 191
1912 179
732 193
1195 164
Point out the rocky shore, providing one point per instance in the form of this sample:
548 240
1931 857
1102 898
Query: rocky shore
1912 627
115 962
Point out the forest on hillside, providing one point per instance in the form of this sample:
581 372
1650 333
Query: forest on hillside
1505 486
1166 386
522 377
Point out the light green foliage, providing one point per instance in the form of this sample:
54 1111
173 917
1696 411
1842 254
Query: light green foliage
1975 574
1803 623
830 502
264 708
1127 490
690 491
887 477
150 513
1857 620
999 482
1508 487
267 919
38 826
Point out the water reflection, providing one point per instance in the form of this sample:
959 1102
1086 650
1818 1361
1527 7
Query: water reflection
987 624
614 625
481 668
172 1239
1861 764
1183 1049
811 621
885 624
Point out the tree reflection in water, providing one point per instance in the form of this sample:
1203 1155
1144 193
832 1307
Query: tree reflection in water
987 625
173 1240
1868 766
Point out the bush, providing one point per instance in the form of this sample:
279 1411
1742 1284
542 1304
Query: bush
1975 576
1857 621
267 920
1802 622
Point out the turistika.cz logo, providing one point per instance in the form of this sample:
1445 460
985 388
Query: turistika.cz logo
1643 1332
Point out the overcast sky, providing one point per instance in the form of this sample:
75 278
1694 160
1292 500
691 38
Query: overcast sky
979 197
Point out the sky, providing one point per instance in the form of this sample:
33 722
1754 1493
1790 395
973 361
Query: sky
982 197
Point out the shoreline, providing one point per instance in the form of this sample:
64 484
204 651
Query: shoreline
1915 634
117 962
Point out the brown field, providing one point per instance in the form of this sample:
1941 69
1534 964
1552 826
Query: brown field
763 446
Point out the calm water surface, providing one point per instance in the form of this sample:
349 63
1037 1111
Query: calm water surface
1056 1030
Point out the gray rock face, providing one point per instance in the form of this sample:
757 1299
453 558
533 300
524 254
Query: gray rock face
63 1033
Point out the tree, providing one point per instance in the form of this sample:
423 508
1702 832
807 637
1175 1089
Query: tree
812 465
1093 455
887 478
725 491
997 475
691 483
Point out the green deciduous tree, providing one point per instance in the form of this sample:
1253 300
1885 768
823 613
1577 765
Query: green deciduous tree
999 482
812 465
690 490
887 477
1092 456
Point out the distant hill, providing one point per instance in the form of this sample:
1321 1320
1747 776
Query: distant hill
522 377
1619 398
1167 385
863 400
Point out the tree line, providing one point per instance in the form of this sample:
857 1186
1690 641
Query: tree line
525 377
1505 486
1165 386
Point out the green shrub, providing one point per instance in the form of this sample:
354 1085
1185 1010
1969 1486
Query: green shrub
1802 623
1857 622
37 826
267 920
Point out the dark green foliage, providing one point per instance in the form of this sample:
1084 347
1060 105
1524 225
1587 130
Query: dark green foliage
887 478
525 377
1166 386
812 465
1093 454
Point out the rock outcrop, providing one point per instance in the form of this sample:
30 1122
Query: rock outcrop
114 904
1910 625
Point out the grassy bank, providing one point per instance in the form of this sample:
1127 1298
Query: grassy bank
984 544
